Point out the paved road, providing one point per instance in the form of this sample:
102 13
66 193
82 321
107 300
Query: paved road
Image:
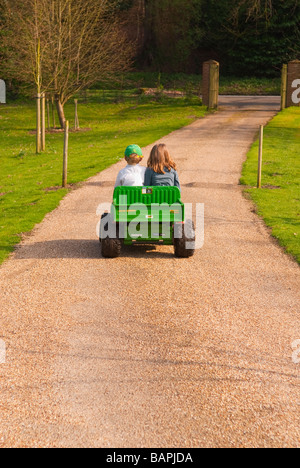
149 350
262 103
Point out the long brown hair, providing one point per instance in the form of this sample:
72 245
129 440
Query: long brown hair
160 159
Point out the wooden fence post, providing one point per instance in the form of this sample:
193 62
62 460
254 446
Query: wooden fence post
284 75
43 125
38 123
214 86
65 161
48 114
293 76
260 155
53 112
210 84
76 115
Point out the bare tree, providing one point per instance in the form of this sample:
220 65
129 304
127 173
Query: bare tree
255 9
65 46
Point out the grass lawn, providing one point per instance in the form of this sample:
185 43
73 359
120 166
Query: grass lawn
192 84
278 202
27 180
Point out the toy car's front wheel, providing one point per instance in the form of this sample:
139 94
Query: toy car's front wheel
184 234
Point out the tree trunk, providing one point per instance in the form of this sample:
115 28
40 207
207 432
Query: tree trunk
60 112
38 122
149 11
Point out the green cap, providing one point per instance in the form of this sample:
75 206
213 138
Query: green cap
133 149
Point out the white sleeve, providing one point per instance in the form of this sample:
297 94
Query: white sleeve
143 173
119 180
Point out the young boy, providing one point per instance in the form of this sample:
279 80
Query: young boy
133 174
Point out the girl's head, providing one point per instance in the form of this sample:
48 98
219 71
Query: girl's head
160 159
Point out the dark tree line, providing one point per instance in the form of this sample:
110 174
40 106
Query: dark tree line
253 37
248 37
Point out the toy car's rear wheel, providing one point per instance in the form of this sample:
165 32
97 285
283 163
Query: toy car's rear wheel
183 234
110 246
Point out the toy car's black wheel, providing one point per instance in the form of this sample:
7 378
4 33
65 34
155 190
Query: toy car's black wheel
184 233
110 246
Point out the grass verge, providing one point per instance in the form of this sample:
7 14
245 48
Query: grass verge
278 202
30 183
192 84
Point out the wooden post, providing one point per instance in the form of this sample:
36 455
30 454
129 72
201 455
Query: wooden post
211 88
213 85
38 95
53 112
260 155
210 84
65 161
293 76
284 86
76 115
43 126
38 123
48 114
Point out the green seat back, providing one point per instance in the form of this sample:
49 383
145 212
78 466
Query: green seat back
147 195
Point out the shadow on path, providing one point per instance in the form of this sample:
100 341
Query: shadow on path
83 249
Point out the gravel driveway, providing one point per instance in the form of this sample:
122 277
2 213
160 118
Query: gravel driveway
148 350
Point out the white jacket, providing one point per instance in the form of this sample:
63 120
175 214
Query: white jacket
131 176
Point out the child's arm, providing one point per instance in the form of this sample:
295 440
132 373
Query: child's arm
118 181
176 180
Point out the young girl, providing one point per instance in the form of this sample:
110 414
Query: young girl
161 169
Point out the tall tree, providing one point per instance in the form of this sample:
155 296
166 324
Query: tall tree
172 32
3 31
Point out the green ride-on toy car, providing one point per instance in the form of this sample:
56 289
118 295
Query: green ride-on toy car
148 216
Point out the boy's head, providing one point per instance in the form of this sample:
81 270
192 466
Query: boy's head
133 154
